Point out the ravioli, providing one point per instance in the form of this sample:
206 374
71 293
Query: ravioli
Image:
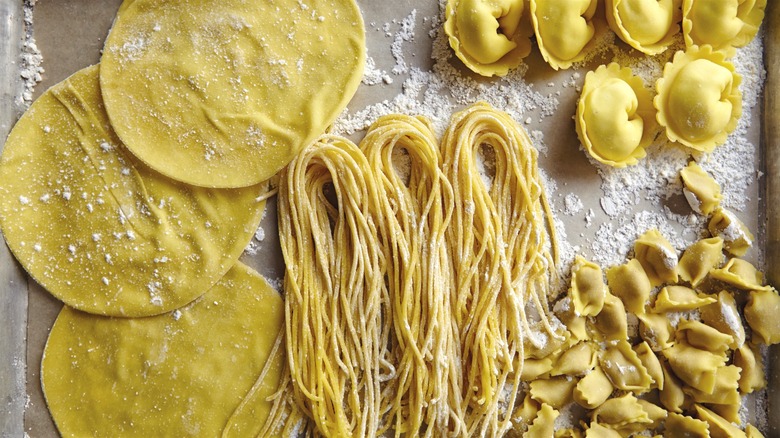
646 25
615 117
490 37
698 100
225 93
185 372
722 24
99 229
560 48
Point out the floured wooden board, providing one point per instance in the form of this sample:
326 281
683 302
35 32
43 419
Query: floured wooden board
412 69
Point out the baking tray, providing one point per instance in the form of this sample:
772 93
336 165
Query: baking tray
70 35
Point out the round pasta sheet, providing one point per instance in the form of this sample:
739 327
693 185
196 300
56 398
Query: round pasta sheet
225 93
183 373
99 229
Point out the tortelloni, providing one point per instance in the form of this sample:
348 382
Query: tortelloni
565 29
615 117
489 36
722 24
657 257
700 189
698 100
646 25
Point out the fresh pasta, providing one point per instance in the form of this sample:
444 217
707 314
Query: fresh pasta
413 213
502 237
391 325
336 308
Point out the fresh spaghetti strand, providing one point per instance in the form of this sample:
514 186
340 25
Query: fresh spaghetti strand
337 326
414 211
500 238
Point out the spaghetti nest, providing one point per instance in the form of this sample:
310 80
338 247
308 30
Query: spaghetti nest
418 274
503 240
414 211
337 323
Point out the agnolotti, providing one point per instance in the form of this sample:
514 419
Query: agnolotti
624 414
735 234
615 116
699 258
740 274
679 299
565 29
646 25
624 368
703 336
657 257
629 282
761 313
723 24
700 189
656 330
694 366
724 316
489 36
587 287
698 100
593 389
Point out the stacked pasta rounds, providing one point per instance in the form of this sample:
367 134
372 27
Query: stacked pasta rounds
99 229
223 93
183 373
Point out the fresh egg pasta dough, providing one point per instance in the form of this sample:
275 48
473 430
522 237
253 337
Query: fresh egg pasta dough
183 373
223 93
99 229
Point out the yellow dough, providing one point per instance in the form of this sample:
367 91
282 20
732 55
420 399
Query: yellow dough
100 230
698 100
178 374
225 93
615 117
489 36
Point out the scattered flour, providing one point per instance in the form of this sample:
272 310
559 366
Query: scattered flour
31 58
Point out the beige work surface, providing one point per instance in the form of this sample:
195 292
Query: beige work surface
70 34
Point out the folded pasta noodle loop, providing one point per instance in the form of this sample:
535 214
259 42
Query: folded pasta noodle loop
336 307
503 240
415 207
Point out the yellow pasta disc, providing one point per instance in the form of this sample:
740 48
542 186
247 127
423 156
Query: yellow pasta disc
223 93
100 230
179 374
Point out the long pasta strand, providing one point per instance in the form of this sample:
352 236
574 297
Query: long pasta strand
415 210
501 237
337 326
